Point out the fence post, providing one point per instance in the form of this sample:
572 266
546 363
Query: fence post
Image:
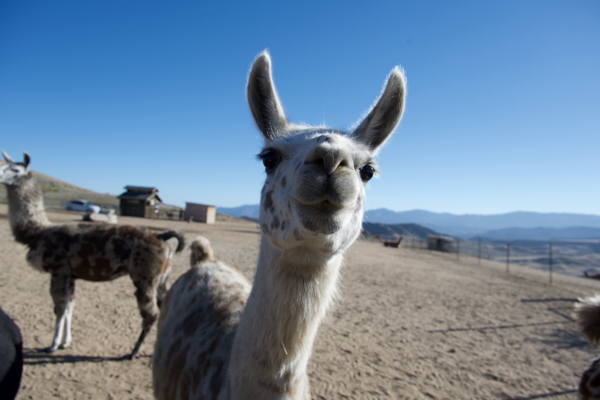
458 249
550 265
479 253
507 255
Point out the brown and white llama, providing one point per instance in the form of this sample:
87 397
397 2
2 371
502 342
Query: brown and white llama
221 338
85 251
587 314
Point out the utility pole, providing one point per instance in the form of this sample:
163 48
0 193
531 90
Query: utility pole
550 265
507 255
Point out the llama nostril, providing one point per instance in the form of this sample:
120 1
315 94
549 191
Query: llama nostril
329 158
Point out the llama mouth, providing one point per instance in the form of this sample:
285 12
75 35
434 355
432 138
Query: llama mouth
323 217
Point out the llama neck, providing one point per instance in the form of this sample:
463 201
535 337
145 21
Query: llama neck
290 296
26 208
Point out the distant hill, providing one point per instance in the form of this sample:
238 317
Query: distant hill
472 225
57 193
515 225
401 229
250 210
574 232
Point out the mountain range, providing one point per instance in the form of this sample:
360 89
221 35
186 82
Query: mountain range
509 226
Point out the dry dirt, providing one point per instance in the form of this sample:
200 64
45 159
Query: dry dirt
411 325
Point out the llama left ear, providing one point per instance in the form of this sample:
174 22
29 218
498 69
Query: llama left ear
7 157
26 159
378 126
263 100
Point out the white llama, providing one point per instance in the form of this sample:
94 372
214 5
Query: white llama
219 337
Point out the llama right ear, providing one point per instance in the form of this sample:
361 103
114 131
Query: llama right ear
7 157
263 100
383 119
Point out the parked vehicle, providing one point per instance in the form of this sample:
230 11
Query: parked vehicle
82 205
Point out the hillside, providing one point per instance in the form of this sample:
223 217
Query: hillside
248 210
574 232
468 225
57 192
400 229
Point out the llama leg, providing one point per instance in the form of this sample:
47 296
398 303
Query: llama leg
161 291
146 298
66 342
61 289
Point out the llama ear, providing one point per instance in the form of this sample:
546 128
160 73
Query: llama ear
378 126
263 100
7 157
26 159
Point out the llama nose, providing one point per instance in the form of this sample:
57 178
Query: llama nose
329 157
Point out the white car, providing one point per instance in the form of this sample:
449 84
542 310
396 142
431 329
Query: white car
82 205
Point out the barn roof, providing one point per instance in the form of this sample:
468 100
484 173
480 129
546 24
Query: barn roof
140 193
141 189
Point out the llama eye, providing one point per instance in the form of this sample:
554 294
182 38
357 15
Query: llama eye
270 160
366 172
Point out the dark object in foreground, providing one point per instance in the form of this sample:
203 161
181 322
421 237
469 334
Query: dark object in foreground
11 357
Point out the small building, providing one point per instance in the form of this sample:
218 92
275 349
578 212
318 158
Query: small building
441 243
140 201
200 213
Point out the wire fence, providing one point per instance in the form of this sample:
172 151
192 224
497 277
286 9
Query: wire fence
570 257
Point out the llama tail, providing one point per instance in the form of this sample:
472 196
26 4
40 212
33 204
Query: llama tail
587 313
201 251
176 233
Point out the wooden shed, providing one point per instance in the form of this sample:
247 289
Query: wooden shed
140 201
200 213
441 243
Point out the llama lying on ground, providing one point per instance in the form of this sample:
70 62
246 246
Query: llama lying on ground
587 314
11 357
221 338
86 251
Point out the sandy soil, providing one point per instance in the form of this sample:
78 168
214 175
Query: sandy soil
411 325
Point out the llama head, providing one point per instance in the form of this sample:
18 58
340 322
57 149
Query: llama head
316 177
12 171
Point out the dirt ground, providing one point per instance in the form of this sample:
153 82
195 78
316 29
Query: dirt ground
411 325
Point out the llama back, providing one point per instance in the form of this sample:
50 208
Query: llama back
196 328
73 248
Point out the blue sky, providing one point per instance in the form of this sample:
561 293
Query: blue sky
502 114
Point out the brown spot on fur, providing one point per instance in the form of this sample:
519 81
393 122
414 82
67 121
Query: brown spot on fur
268 203
275 223
265 228
120 248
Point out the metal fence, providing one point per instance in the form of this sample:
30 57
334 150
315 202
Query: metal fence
570 257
